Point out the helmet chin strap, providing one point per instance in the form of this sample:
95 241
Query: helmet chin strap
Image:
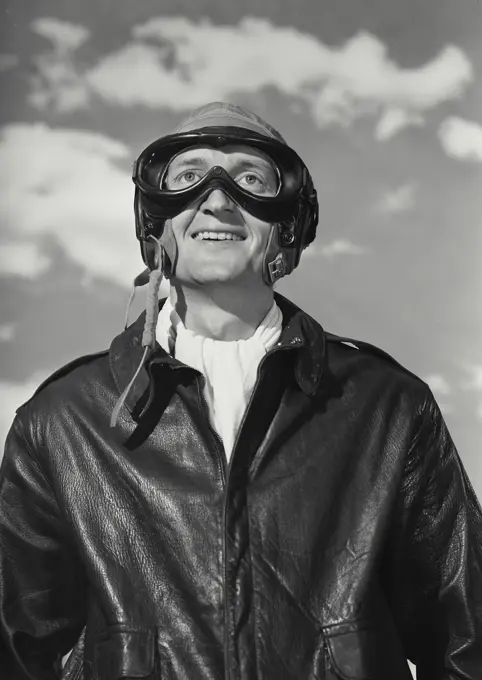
169 250
275 265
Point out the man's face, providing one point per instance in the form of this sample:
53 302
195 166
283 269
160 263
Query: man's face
218 241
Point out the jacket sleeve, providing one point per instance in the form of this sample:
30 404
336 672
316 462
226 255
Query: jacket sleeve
438 558
42 591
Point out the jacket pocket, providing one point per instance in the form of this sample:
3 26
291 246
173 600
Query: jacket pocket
355 651
123 654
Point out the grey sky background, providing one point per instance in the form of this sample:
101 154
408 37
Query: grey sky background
382 99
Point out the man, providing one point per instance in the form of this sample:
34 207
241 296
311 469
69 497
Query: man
229 491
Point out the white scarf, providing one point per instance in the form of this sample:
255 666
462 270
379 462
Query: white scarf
230 367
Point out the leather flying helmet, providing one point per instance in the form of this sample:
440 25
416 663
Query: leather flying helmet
293 209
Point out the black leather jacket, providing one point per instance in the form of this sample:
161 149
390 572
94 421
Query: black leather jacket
343 537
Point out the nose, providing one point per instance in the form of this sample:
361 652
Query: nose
216 201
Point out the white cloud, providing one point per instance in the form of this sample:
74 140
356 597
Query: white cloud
71 188
63 35
340 247
397 200
23 259
461 138
7 332
13 395
475 380
441 389
438 384
8 61
474 384
174 62
58 86
393 121
58 82
146 82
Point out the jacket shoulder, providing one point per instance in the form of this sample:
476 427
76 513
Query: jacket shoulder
64 371
371 350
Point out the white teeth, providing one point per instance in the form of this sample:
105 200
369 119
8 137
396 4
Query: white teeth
216 236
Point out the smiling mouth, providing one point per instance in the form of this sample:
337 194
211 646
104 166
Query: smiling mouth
217 236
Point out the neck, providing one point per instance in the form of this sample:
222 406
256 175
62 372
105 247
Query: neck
221 313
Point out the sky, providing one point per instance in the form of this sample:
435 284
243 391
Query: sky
383 101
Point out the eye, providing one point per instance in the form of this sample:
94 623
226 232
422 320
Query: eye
184 179
188 177
253 182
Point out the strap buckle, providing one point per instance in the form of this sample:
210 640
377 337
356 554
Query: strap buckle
277 268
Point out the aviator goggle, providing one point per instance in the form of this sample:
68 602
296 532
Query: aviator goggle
292 201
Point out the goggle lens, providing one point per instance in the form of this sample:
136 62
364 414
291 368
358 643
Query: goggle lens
258 177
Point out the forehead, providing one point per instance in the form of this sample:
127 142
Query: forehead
229 156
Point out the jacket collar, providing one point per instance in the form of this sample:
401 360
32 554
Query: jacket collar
300 333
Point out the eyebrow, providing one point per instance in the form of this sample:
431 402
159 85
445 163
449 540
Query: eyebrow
199 162
260 162
196 162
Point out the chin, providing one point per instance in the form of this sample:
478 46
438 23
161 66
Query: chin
213 275
216 277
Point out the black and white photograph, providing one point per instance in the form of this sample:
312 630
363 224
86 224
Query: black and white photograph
240 340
